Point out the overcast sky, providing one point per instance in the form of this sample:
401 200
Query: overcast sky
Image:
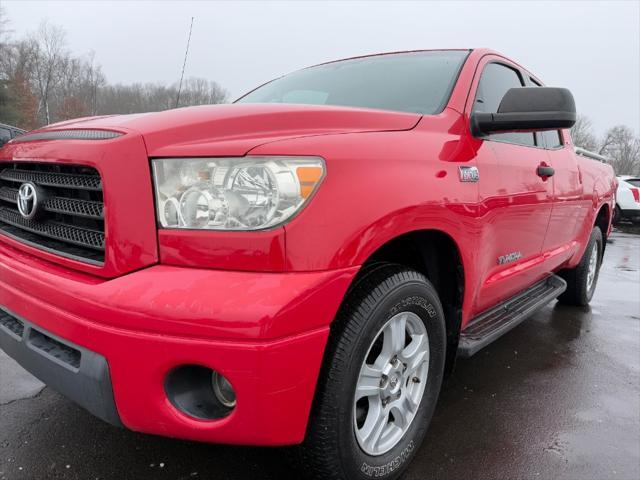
593 48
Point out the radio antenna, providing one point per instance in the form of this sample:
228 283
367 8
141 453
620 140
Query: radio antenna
184 64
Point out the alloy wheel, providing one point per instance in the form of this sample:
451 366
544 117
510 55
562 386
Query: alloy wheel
391 383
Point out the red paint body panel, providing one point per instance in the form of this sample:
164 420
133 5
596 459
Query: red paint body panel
187 302
257 306
260 251
234 129
148 322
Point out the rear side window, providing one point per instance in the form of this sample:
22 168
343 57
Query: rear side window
550 138
495 81
634 181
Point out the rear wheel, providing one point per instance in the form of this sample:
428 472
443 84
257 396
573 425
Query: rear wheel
380 381
582 280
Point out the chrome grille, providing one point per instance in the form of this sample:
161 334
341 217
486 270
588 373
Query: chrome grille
71 222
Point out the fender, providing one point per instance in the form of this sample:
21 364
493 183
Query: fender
601 194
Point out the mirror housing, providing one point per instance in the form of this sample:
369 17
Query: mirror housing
528 109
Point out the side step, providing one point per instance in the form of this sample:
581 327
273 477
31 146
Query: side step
497 321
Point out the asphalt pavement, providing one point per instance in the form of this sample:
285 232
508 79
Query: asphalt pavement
556 398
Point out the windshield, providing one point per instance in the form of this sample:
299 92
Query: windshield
417 82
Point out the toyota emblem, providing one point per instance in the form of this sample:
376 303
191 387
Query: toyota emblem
28 200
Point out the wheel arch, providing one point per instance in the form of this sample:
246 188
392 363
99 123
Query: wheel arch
602 221
436 255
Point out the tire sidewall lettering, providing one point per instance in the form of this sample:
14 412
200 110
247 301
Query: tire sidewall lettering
389 467
414 301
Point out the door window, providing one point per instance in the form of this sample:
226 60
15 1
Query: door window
551 139
495 81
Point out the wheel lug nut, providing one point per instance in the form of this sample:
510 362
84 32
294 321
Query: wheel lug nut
415 380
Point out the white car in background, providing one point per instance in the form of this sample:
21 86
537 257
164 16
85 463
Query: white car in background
628 199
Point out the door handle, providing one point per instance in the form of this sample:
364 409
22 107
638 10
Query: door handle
545 171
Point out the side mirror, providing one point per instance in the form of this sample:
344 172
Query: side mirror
528 109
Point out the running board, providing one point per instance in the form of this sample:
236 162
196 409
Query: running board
497 321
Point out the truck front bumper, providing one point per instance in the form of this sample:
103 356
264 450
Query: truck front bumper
109 345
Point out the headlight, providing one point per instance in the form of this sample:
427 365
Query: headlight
248 193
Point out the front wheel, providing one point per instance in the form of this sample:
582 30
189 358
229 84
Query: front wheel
380 380
582 280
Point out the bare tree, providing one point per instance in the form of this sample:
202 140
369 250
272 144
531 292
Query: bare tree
200 91
4 90
4 38
49 45
582 134
41 83
16 78
94 79
622 145
156 97
5 33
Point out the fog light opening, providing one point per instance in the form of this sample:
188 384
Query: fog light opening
223 390
200 392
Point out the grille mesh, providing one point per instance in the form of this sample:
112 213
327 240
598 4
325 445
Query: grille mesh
12 324
85 182
56 349
59 231
70 220
85 208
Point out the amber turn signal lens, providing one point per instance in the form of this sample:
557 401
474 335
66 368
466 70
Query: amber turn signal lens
308 178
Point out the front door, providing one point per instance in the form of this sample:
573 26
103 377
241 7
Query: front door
516 202
570 206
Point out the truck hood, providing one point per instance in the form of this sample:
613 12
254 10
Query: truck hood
235 129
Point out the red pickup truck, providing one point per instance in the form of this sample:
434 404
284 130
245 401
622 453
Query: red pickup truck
302 266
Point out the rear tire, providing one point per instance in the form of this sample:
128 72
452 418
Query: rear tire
582 280
335 447
617 215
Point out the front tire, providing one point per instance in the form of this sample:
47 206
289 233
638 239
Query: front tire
380 381
582 280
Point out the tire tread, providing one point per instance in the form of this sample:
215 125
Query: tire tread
320 444
576 277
